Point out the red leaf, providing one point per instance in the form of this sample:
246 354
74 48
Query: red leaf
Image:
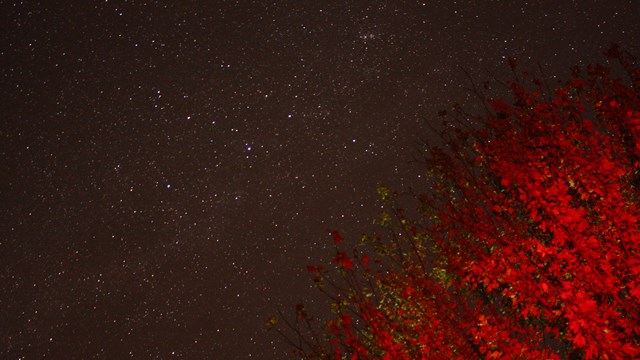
343 260
337 238
579 340
365 260
311 268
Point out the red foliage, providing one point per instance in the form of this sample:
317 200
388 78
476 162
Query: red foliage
528 243
343 260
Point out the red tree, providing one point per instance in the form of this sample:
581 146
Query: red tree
527 244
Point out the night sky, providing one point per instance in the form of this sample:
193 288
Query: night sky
168 169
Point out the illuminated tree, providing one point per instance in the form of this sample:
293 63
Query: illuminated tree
525 245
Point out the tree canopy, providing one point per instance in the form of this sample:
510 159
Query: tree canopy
525 243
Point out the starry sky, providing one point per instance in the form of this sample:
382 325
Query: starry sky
169 168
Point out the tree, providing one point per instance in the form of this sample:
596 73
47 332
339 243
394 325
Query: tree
526 244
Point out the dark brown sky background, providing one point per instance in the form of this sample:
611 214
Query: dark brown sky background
167 169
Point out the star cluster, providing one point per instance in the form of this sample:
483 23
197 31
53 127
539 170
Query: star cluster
169 168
